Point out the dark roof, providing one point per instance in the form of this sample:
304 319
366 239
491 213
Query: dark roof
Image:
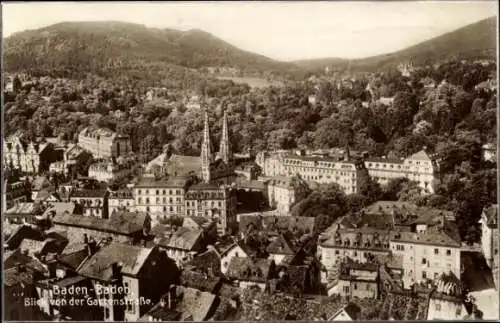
124 223
23 232
88 193
163 313
225 244
12 277
200 281
248 269
182 238
384 160
130 258
206 261
168 182
302 224
73 258
447 236
121 194
281 245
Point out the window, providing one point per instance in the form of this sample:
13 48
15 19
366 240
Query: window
355 286
171 209
346 289
236 254
139 200
147 200
424 261
164 192
336 252
448 252
178 192
147 192
400 247
424 275
170 192
436 251
139 192
157 192
438 307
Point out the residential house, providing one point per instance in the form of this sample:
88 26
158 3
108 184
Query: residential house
141 272
213 202
249 272
161 197
121 200
76 160
28 157
94 202
284 192
227 248
182 244
359 280
22 213
282 246
490 152
183 304
349 312
16 192
18 286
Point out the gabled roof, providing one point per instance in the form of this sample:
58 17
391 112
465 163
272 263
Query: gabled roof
248 269
183 239
130 258
206 262
282 246
21 233
421 155
12 277
200 281
124 223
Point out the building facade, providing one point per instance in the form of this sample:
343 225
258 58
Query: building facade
489 237
28 157
93 202
104 143
419 167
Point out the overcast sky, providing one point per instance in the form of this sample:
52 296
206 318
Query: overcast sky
280 30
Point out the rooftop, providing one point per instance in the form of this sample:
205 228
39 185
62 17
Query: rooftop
248 269
173 182
182 238
125 223
130 258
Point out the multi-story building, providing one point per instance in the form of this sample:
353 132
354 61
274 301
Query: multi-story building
15 193
271 163
75 160
419 167
123 272
93 202
108 171
104 143
121 200
284 192
359 280
28 157
489 237
161 197
427 254
213 202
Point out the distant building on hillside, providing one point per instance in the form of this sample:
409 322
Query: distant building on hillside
104 143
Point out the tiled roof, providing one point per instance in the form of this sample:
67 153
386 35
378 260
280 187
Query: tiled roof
421 155
196 304
448 236
225 244
61 207
282 246
125 223
183 239
23 232
12 277
130 258
247 269
383 160
200 281
79 193
206 262
273 223
174 182
161 312
93 131
183 165
73 256
39 183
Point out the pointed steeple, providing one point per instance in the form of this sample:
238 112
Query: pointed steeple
224 149
206 154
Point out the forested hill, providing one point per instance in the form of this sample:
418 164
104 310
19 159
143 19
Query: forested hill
474 41
97 46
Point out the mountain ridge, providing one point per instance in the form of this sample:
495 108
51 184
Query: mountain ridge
110 44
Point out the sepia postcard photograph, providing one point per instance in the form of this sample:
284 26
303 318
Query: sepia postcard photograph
249 161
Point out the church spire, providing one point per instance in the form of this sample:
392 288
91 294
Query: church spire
206 154
224 150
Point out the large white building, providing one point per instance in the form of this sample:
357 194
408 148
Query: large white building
419 167
27 157
104 143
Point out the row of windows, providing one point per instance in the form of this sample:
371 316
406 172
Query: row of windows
163 192
158 201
